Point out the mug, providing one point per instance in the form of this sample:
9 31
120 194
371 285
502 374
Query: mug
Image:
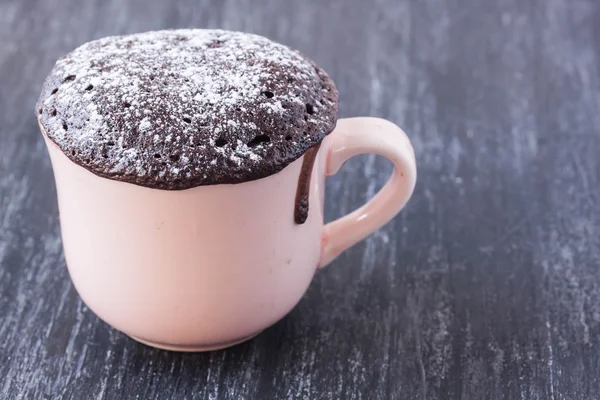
212 266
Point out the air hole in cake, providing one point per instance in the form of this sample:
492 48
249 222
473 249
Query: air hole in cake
187 120
54 91
65 127
310 109
53 112
258 140
73 152
110 143
288 137
220 142
290 79
268 94
69 78
174 157
126 104
41 110
157 156
105 155
151 77
89 87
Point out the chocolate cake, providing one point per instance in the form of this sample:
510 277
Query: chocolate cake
183 108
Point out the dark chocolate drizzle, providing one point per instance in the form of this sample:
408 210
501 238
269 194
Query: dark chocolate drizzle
303 190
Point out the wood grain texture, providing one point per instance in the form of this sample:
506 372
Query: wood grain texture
486 287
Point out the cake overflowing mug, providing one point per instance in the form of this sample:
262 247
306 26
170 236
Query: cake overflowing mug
190 169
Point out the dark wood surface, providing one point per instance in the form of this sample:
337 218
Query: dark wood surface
486 287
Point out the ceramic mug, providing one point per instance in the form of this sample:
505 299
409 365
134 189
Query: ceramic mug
212 266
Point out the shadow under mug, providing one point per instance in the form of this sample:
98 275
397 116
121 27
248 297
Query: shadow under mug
212 266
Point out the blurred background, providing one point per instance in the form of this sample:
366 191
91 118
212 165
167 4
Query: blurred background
486 286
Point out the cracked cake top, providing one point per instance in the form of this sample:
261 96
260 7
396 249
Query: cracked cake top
183 108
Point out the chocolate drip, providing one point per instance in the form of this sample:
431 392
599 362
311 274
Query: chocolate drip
303 190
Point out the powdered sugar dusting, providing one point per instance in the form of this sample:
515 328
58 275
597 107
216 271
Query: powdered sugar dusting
176 109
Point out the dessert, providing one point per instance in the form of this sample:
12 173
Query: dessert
178 109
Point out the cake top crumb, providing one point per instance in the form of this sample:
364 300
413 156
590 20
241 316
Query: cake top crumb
183 108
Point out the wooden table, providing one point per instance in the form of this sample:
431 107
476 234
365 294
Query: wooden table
486 287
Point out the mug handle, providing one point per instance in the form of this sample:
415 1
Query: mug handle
353 136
